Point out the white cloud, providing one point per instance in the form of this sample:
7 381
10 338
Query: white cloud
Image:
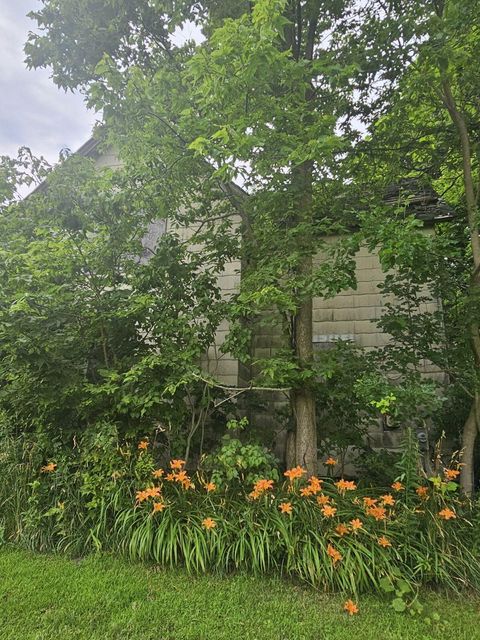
33 111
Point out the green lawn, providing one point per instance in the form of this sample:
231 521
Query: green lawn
101 598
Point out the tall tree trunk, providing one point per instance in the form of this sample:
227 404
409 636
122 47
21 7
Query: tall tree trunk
304 398
471 426
300 40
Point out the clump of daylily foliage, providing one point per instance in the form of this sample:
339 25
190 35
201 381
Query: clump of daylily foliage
326 531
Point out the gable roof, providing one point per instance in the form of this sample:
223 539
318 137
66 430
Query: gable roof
421 200
87 149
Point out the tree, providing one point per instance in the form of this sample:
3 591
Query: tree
272 96
101 336
425 115
259 100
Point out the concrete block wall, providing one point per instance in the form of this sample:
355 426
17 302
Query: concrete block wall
222 365
353 312
350 315
107 159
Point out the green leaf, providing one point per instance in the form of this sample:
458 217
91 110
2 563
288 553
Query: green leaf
386 585
399 605
403 586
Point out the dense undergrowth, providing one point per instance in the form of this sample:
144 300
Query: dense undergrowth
327 532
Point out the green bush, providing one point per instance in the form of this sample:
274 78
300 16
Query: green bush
235 462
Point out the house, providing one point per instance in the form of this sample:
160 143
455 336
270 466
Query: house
351 315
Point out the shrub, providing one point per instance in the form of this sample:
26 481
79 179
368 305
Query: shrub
235 462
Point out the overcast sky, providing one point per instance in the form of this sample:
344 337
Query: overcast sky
33 112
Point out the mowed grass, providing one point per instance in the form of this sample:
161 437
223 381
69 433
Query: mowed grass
105 598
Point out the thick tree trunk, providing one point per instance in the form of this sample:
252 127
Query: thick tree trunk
300 39
304 399
306 432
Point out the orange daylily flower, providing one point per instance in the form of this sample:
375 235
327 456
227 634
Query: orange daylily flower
350 607
335 555
379 513
170 477
398 486
177 464
158 506
345 485
143 445
141 496
329 511
158 473
263 485
388 500
422 492
447 514
48 468
149 492
356 524
183 479
296 472
181 476
451 474
314 485
323 499
331 462
210 486
342 529
208 523
370 502
384 542
260 487
285 507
